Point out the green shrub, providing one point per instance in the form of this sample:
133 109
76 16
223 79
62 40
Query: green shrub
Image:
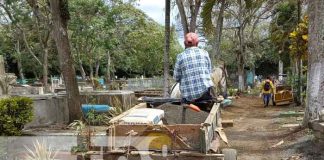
15 112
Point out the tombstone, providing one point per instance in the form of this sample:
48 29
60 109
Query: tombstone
5 79
115 98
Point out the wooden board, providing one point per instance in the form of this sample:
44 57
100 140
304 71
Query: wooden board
116 119
159 156
208 130
190 133
228 123
200 137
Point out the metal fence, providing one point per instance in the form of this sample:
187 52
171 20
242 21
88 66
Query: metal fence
140 84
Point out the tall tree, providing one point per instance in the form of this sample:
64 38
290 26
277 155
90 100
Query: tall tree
218 31
208 14
19 22
43 27
87 28
244 13
299 62
188 11
167 32
60 15
315 83
287 17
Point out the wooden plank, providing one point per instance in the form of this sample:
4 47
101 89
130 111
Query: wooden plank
208 128
227 123
197 154
189 132
202 141
291 114
116 119
138 155
212 115
199 137
181 129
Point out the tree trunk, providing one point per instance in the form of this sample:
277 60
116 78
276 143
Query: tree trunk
19 64
280 70
35 74
218 32
183 17
298 61
45 69
166 49
194 15
97 68
298 87
315 83
83 74
20 69
42 38
241 50
240 69
91 70
301 87
60 16
108 68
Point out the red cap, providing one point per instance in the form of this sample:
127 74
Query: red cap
191 39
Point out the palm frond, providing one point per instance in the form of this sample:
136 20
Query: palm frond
206 16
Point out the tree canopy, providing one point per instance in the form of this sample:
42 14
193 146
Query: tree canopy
97 28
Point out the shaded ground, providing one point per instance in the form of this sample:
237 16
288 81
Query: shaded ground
257 129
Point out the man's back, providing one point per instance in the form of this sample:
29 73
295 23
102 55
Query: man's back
267 87
192 70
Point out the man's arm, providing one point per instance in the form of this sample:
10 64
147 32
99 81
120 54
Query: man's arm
209 63
177 71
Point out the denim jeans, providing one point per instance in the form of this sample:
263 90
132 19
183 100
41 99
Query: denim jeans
266 98
205 102
208 95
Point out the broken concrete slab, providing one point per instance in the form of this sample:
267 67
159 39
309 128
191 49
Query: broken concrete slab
319 135
317 126
291 125
318 129
299 118
321 115
277 144
291 114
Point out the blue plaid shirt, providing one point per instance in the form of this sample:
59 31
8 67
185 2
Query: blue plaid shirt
193 71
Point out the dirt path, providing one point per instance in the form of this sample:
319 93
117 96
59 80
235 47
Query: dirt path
257 129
